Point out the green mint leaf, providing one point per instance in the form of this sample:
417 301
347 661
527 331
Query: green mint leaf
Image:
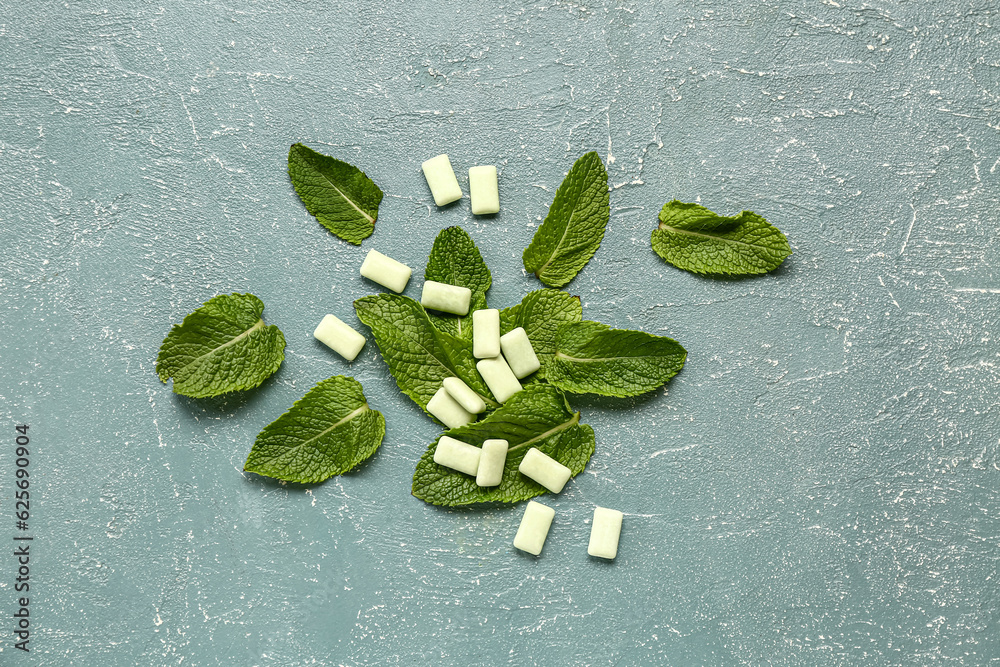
592 358
455 260
326 432
537 416
541 313
572 231
695 239
342 198
419 355
222 346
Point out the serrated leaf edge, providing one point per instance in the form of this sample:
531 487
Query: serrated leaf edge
352 415
334 186
555 251
490 402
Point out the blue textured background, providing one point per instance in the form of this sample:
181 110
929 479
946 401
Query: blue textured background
818 486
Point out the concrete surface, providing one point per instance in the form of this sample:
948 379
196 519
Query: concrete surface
819 485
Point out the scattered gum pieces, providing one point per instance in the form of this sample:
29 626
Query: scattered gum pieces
518 352
545 470
339 337
483 190
534 527
468 399
486 333
499 378
457 455
448 411
604 533
446 298
386 271
491 462
441 179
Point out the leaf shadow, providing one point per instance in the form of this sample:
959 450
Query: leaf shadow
597 561
597 401
474 509
226 403
273 483
450 205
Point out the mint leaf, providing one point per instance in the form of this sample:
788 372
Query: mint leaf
593 358
541 313
419 356
342 198
695 239
326 432
537 416
222 346
572 231
455 260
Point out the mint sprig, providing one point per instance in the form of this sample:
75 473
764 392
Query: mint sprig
541 313
593 358
574 227
456 260
341 196
326 432
418 354
537 416
222 346
693 238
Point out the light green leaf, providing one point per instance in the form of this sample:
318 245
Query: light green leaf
695 239
455 260
572 231
342 198
592 358
326 432
419 355
222 346
537 416
541 313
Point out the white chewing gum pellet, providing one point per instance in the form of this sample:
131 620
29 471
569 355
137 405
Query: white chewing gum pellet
486 333
339 337
483 190
605 532
457 455
446 298
545 470
491 462
448 410
386 271
534 528
441 179
518 352
499 378
468 399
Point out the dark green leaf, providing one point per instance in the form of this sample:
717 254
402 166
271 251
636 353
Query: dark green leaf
455 260
541 313
695 239
537 416
592 358
574 227
326 432
222 346
340 195
419 355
